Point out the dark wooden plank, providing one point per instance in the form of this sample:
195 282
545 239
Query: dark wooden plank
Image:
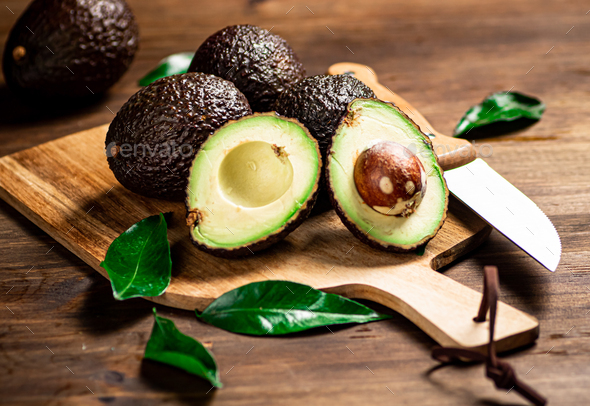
442 57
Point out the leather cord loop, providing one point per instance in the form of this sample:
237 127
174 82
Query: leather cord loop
500 372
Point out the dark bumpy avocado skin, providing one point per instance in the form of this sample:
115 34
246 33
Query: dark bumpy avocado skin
319 102
166 122
70 46
260 64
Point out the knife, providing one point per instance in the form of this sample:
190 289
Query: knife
474 182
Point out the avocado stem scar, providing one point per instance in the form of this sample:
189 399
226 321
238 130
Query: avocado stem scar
280 152
18 53
194 217
115 151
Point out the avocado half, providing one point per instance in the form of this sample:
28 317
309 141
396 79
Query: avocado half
154 137
260 64
368 123
251 183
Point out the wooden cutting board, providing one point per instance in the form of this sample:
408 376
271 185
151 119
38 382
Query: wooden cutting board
67 189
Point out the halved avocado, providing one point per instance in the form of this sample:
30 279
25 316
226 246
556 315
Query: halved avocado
252 183
375 128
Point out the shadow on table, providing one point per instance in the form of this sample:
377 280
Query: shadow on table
519 274
101 314
465 392
16 111
187 388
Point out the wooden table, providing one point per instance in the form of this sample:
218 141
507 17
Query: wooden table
65 340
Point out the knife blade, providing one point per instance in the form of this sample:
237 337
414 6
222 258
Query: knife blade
506 209
475 183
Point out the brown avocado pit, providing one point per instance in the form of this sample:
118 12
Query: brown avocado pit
390 179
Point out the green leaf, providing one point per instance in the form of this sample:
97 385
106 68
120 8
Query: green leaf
500 107
282 307
168 345
138 261
171 65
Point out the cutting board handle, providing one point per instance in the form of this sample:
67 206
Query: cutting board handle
443 308
451 152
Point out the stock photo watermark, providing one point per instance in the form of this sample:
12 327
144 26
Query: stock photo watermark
168 149
164 150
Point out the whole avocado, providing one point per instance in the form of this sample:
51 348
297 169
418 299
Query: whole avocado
69 49
319 102
260 64
151 143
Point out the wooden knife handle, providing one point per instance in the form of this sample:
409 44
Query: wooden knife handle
451 152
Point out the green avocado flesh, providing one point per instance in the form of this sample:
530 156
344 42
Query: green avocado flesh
367 122
251 183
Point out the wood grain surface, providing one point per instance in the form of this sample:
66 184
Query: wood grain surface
443 57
